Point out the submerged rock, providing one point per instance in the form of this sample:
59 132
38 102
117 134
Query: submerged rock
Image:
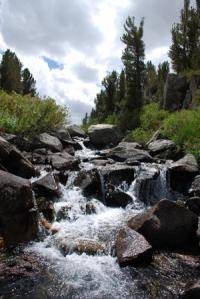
132 248
88 246
104 134
18 217
167 225
13 161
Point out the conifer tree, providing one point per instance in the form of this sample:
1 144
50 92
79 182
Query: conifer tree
28 83
11 71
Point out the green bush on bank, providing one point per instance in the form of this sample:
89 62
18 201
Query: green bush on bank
26 114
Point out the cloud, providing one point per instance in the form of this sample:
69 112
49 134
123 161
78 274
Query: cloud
86 73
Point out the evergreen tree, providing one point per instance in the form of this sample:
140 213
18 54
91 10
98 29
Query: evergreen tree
133 59
110 87
150 79
11 69
121 86
28 83
85 120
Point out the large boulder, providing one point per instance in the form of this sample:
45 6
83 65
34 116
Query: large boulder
182 173
163 149
47 185
63 135
18 217
89 181
167 225
132 248
13 161
103 134
63 161
129 151
175 91
47 141
76 131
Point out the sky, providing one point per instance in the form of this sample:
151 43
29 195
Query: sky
69 46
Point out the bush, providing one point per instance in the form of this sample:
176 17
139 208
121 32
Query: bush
141 136
112 119
26 114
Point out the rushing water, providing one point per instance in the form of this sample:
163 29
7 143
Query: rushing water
93 276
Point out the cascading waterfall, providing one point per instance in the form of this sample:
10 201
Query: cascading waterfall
79 275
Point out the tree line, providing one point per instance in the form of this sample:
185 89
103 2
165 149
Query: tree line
123 95
15 78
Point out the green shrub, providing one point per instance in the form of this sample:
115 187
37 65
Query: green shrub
112 119
141 136
25 114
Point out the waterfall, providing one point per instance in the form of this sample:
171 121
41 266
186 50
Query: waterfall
102 182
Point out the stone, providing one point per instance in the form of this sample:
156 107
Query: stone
175 90
132 249
47 141
76 131
63 135
163 149
63 161
45 206
89 182
129 151
47 185
88 246
117 199
18 216
182 173
195 187
14 161
104 134
192 291
116 174
167 225
193 205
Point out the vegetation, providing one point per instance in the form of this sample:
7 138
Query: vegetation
27 114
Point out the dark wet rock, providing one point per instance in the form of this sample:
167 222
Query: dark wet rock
47 185
132 249
116 198
90 208
76 131
104 134
174 92
39 156
88 246
63 213
63 161
47 141
116 174
89 182
195 187
63 135
69 149
192 291
129 150
45 206
193 205
167 225
18 219
163 149
13 160
182 173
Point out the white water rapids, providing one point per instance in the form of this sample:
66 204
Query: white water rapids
91 276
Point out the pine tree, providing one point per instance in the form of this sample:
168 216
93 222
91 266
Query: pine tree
150 79
11 69
110 87
121 86
133 59
28 83
85 120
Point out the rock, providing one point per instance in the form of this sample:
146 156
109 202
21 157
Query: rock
195 187
175 91
163 149
69 149
103 134
89 182
63 213
80 246
45 206
63 135
63 161
18 217
116 174
192 292
76 131
117 199
90 208
13 160
47 141
182 173
167 225
193 204
47 185
132 249
129 151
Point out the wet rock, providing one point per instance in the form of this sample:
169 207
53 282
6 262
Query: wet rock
63 135
80 246
129 150
47 185
18 219
47 141
195 187
90 208
192 292
45 206
167 225
102 162
63 161
174 92
104 134
193 204
163 149
182 173
132 248
63 213
69 149
116 174
13 160
116 198
89 182
76 131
